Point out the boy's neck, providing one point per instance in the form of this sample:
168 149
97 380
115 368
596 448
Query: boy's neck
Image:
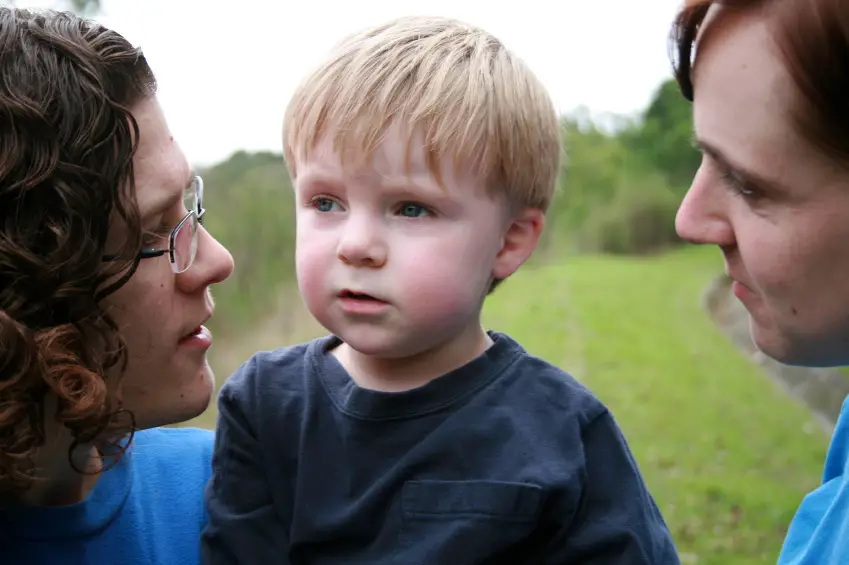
400 374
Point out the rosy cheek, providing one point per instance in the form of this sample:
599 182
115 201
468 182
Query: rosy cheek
309 258
433 292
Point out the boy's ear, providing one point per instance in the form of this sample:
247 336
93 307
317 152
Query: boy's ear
520 240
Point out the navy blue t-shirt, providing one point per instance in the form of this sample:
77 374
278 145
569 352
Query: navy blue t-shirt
507 459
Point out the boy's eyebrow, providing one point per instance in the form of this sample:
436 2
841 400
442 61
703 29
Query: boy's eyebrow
411 182
431 192
407 184
312 177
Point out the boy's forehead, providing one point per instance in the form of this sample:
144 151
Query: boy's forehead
397 157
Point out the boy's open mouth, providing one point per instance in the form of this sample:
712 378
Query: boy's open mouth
354 295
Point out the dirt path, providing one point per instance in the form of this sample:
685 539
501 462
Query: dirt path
821 390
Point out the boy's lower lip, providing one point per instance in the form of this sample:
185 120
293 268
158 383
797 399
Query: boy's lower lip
353 305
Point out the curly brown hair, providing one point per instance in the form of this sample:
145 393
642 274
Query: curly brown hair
67 140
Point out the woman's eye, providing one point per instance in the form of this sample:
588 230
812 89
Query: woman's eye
153 237
737 186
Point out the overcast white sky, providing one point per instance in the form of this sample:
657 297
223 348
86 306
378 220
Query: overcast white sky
226 72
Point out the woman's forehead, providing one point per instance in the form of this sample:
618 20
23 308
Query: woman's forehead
161 171
742 92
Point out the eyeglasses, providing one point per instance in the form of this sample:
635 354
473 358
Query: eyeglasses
183 241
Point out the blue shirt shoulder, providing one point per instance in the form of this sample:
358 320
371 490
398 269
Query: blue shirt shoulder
146 509
819 533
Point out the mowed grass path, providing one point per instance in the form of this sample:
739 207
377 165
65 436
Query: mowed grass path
727 455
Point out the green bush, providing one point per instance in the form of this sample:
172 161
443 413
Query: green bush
639 219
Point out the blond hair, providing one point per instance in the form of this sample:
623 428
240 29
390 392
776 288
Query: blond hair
457 84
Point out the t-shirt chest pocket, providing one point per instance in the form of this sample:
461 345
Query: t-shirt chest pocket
464 522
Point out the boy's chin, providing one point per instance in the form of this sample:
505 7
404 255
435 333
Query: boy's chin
383 344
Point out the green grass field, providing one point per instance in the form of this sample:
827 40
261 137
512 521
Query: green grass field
727 455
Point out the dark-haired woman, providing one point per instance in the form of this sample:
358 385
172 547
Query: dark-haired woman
105 271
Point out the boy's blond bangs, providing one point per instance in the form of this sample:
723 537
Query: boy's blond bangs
458 85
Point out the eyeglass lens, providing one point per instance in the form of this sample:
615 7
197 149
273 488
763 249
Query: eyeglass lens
185 237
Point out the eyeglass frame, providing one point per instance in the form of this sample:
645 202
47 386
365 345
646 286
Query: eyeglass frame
152 253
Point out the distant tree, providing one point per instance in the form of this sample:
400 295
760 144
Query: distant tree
663 137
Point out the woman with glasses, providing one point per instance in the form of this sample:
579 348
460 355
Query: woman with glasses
769 81
105 276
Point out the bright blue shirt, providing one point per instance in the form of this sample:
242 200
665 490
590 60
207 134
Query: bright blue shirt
819 533
148 509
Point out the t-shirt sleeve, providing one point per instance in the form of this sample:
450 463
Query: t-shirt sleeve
243 525
617 521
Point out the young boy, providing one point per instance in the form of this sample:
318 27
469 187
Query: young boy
423 155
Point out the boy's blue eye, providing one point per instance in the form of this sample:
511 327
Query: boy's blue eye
324 204
411 210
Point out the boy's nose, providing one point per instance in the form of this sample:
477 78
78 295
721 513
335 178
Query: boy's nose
362 246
